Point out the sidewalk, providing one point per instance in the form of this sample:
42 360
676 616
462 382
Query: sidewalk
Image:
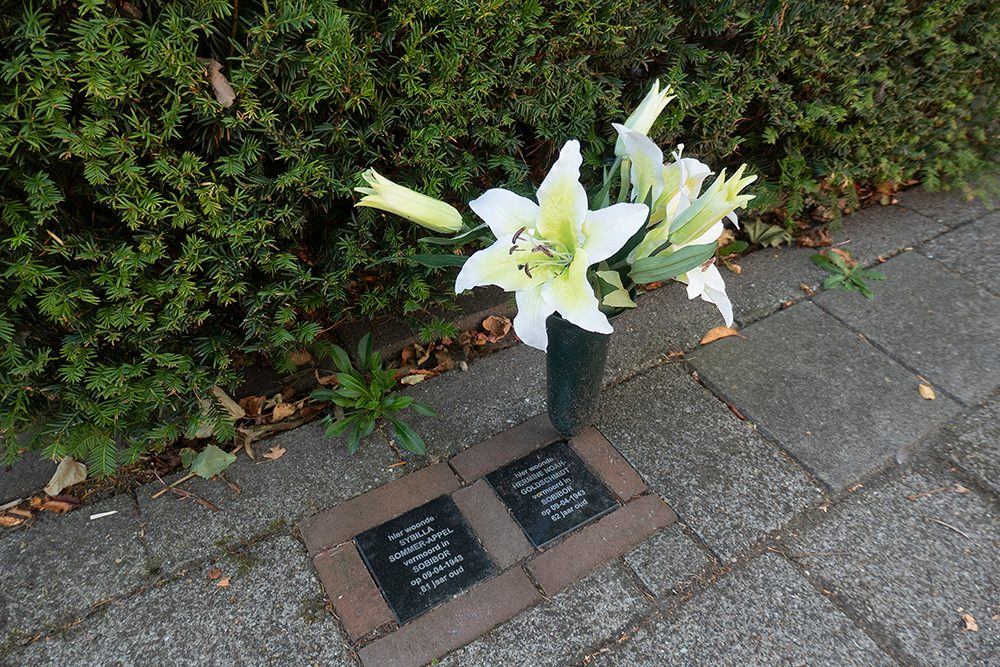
842 520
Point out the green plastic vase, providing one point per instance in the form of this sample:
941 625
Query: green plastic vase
574 365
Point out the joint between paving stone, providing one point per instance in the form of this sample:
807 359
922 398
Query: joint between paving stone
885 642
888 353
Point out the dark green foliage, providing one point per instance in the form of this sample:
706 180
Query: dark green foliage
153 238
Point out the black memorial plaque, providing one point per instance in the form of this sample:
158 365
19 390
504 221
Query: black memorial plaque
423 557
550 492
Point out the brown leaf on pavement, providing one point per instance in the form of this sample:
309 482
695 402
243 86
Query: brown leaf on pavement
223 583
926 392
214 574
817 238
274 453
10 521
970 622
717 333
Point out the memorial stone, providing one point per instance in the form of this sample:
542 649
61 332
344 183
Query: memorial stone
423 557
551 492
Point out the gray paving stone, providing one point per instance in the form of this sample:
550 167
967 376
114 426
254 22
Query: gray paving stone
972 250
973 442
666 562
62 565
769 278
498 392
933 321
27 476
881 231
315 472
836 403
665 321
271 614
895 563
573 622
951 208
725 482
761 614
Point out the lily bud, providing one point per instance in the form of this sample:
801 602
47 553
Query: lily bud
646 113
718 201
426 211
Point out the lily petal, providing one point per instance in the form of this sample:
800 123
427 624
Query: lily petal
505 212
494 266
647 164
529 324
709 285
572 296
562 200
605 231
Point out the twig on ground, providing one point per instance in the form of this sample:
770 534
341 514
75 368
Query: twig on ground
170 487
949 526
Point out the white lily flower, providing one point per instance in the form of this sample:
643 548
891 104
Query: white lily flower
645 114
410 204
707 282
543 250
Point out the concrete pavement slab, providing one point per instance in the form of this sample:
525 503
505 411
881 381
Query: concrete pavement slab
973 442
314 472
505 389
882 231
972 251
762 614
667 562
62 565
27 476
910 556
836 403
950 208
560 630
725 481
932 320
270 613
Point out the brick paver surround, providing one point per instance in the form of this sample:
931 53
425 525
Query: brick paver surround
526 575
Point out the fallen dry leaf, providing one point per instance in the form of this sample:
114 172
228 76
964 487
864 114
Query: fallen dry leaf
497 326
808 291
716 333
735 268
68 473
252 405
970 622
300 358
214 574
846 256
229 405
274 453
282 411
926 392
223 583
817 238
412 379
10 521
58 506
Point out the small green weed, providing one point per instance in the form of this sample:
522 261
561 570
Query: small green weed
366 397
847 275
